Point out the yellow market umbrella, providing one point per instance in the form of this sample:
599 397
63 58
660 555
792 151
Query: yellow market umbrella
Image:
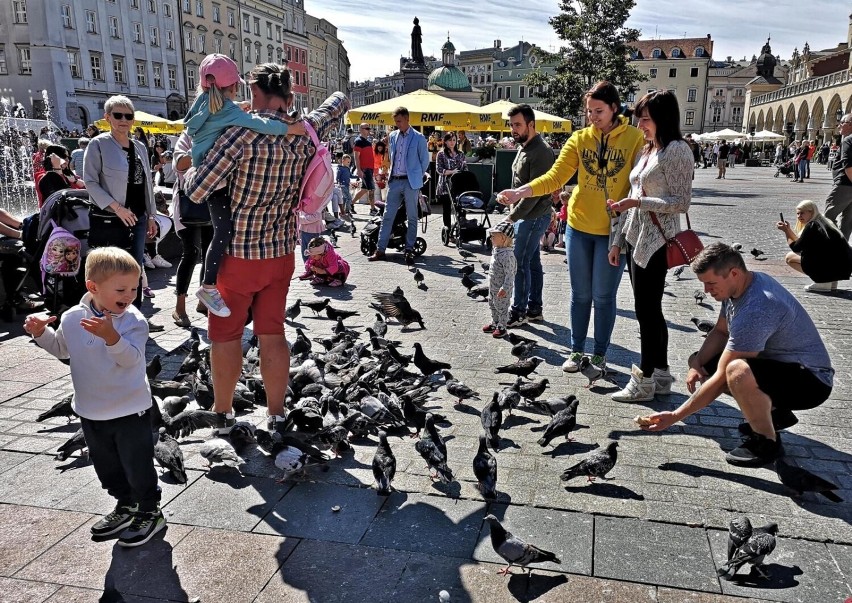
544 122
150 123
425 109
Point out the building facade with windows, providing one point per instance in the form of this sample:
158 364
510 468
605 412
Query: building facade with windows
681 65
207 26
295 40
478 66
317 65
511 66
64 58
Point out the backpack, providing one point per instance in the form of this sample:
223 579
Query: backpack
61 256
347 145
318 182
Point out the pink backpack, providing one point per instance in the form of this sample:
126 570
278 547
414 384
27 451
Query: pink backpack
318 182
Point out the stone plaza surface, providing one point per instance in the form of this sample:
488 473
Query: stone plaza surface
654 532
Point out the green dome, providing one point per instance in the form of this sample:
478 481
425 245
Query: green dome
448 46
448 78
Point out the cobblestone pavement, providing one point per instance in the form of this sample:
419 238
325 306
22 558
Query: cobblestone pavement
654 532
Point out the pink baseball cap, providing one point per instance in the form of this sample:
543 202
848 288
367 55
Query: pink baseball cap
224 71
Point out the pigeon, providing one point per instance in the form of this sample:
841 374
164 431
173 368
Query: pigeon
380 327
521 368
678 271
401 310
509 398
384 466
597 464
242 434
60 409
191 363
189 421
291 460
485 470
334 313
174 405
169 455
703 325
409 259
74 443
467 282
432 434
293 311
738 247
466 270
466 254
589 371
317 307
435 460
514 550
801 480
551 406
426 365
419 279
739 531
753 551
458 389
523 349
486 266
480 291
492 419
302 345
561 424
699 296
515 339
218 450
756 252
533 390
153 368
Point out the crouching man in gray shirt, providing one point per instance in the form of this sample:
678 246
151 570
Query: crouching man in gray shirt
764 351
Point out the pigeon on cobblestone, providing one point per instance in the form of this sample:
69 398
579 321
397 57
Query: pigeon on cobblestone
760 544
739 531
515 339
467 269
801 480
318 306
302 345
292 312
170 457
597 464
334 313
242 435
532 390
551 406
678 271
398 307
756 252
426 365
703 325
523 349
467 282
509 398
589 371
217 450
491 418
73 444
380 326
60 409
466 254
561 425
457 389
485 470
522 368
435 460
420 279
154 367
514 550
699 296
480 291
384 466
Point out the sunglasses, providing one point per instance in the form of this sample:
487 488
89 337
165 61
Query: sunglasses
127 116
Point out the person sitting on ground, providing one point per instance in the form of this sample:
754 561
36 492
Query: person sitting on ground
323 265
105 336
764 351
819 249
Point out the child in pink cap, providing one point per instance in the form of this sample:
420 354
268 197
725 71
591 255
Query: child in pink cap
213 112
324 264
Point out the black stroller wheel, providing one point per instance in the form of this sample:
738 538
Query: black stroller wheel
367 246
445 236
419 246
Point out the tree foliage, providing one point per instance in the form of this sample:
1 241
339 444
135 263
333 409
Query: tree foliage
597 47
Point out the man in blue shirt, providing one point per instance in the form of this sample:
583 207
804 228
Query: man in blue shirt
764 351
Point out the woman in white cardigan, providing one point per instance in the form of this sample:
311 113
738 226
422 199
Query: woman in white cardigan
661 190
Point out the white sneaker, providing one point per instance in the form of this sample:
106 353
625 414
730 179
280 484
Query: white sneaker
822 286
572 365
639 389
214 302
159 262
149 263
663 380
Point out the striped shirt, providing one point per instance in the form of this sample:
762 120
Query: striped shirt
265 178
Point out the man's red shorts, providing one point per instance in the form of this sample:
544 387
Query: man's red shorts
261 285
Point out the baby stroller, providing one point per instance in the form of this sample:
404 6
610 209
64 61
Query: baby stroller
788 169
470 212
370 232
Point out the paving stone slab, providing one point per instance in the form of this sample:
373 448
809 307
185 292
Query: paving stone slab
550 587
25 591
26 532
569 535
72 594
225 499
425 576
306 511
800 571
843 557
654 553
671 595
427 524
9 459
35 445
39 482
334 572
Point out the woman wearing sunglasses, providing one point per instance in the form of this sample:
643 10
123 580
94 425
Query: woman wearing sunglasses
601 154
116 171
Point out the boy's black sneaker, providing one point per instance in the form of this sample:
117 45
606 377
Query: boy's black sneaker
756 451
276 424
224 423
115 522
515 320
143 528
534 316
781 419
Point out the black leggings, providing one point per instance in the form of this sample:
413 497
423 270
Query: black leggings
223 230
648 284
195 240
447 205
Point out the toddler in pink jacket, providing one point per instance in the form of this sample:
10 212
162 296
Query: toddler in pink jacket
323 265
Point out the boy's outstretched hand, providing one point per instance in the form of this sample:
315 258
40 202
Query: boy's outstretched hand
101 327
34 324
296 128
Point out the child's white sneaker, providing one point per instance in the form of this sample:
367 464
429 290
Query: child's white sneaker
214 302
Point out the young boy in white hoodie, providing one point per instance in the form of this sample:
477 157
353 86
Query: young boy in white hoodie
104 336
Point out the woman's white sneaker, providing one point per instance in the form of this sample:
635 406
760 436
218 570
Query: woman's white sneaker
639 388
663 380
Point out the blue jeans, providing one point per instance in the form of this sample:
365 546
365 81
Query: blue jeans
399 191
137 250
592 279
529 279
803 168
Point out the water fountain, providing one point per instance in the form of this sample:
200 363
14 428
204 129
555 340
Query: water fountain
17 191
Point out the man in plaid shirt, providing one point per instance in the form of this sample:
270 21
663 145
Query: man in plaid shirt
264 174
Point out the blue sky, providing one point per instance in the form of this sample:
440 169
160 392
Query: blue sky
376 37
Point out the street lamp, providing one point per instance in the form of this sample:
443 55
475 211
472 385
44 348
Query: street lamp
839 114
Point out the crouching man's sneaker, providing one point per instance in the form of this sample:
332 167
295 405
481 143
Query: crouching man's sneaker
115 522
639 388
142 529
756 451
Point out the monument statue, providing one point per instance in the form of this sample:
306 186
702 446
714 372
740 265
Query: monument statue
417 43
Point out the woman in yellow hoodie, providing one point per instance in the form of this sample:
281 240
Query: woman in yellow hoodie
603 153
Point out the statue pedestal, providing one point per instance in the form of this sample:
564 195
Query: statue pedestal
415 76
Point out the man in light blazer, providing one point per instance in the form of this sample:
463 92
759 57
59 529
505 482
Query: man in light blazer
409 160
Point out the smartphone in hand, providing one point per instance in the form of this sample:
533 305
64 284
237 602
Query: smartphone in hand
782 216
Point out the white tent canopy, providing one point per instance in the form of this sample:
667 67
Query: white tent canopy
767 136
726 134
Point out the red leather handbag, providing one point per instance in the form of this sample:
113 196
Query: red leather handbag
683 247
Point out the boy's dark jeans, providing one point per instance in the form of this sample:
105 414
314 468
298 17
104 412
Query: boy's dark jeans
122 451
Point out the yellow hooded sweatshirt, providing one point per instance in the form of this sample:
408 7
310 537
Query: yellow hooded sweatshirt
604 162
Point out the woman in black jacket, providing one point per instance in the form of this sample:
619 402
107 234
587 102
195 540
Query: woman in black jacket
818 248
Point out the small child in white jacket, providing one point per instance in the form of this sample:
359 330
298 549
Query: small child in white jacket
502 277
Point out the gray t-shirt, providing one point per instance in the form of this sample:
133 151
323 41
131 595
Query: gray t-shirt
767 319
